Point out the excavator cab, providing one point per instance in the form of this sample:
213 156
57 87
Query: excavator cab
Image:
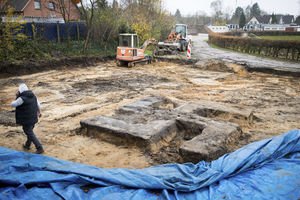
181 29
128 52
129 40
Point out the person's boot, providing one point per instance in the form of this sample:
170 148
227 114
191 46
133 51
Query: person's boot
39 151
26 148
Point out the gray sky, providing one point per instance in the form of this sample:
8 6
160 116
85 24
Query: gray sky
193 6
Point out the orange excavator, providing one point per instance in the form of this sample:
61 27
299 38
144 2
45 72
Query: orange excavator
128 52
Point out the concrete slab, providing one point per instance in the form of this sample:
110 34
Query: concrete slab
149 125
140 134
148 103
216 111
215 139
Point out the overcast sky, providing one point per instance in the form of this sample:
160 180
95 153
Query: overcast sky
192 6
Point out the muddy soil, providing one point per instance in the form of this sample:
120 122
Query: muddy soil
69 95
202 51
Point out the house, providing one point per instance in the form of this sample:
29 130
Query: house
40 10
264 23
233 27
218 29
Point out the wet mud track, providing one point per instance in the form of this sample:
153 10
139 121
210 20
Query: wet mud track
69 95
202 51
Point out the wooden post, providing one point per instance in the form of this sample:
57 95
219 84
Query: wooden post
58 34
33 31
78 34
287 53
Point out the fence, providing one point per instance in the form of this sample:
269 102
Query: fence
55 32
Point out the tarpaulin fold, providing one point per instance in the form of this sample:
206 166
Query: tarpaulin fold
267 169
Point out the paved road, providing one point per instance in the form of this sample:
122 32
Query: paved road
203 51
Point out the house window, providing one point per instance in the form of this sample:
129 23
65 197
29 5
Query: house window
52 14
37 5
51 5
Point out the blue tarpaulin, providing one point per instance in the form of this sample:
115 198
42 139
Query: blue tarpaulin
268 169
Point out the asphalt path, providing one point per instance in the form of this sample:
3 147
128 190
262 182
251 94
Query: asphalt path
202 51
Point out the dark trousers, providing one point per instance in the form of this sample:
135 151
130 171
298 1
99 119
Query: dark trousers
28 130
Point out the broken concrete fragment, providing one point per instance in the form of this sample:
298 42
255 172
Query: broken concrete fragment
216 139
215 111
148 103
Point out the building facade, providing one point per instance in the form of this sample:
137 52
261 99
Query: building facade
42 10
266 23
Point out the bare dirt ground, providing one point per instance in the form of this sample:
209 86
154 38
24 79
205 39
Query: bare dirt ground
69 95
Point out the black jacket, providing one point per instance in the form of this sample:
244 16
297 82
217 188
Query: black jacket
27 112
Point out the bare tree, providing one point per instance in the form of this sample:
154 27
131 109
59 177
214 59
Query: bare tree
227 14
63 7
88 12
217 6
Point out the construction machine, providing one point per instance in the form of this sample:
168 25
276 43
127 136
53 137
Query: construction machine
177 39
128 52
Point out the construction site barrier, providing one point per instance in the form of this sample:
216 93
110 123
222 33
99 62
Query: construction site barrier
189 51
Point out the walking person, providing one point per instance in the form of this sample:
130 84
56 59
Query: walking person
28 110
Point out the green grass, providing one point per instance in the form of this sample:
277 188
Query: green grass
284 37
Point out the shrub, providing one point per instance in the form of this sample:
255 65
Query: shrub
287 49
10 34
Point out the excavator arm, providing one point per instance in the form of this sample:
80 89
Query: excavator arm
147 42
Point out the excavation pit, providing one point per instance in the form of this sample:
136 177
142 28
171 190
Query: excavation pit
169 132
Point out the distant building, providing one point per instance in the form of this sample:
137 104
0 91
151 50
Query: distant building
264 23
39 10
233 26
218 29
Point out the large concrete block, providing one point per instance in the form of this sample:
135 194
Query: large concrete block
148 103
216 139
192 129
121 132
209 110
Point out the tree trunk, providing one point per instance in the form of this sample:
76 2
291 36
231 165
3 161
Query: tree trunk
87 40
58 32
68 34
287 53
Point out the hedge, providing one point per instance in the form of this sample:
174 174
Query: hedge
287 49
261 33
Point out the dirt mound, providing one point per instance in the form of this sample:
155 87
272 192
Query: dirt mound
8 69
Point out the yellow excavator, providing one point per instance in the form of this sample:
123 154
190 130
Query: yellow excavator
128 52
